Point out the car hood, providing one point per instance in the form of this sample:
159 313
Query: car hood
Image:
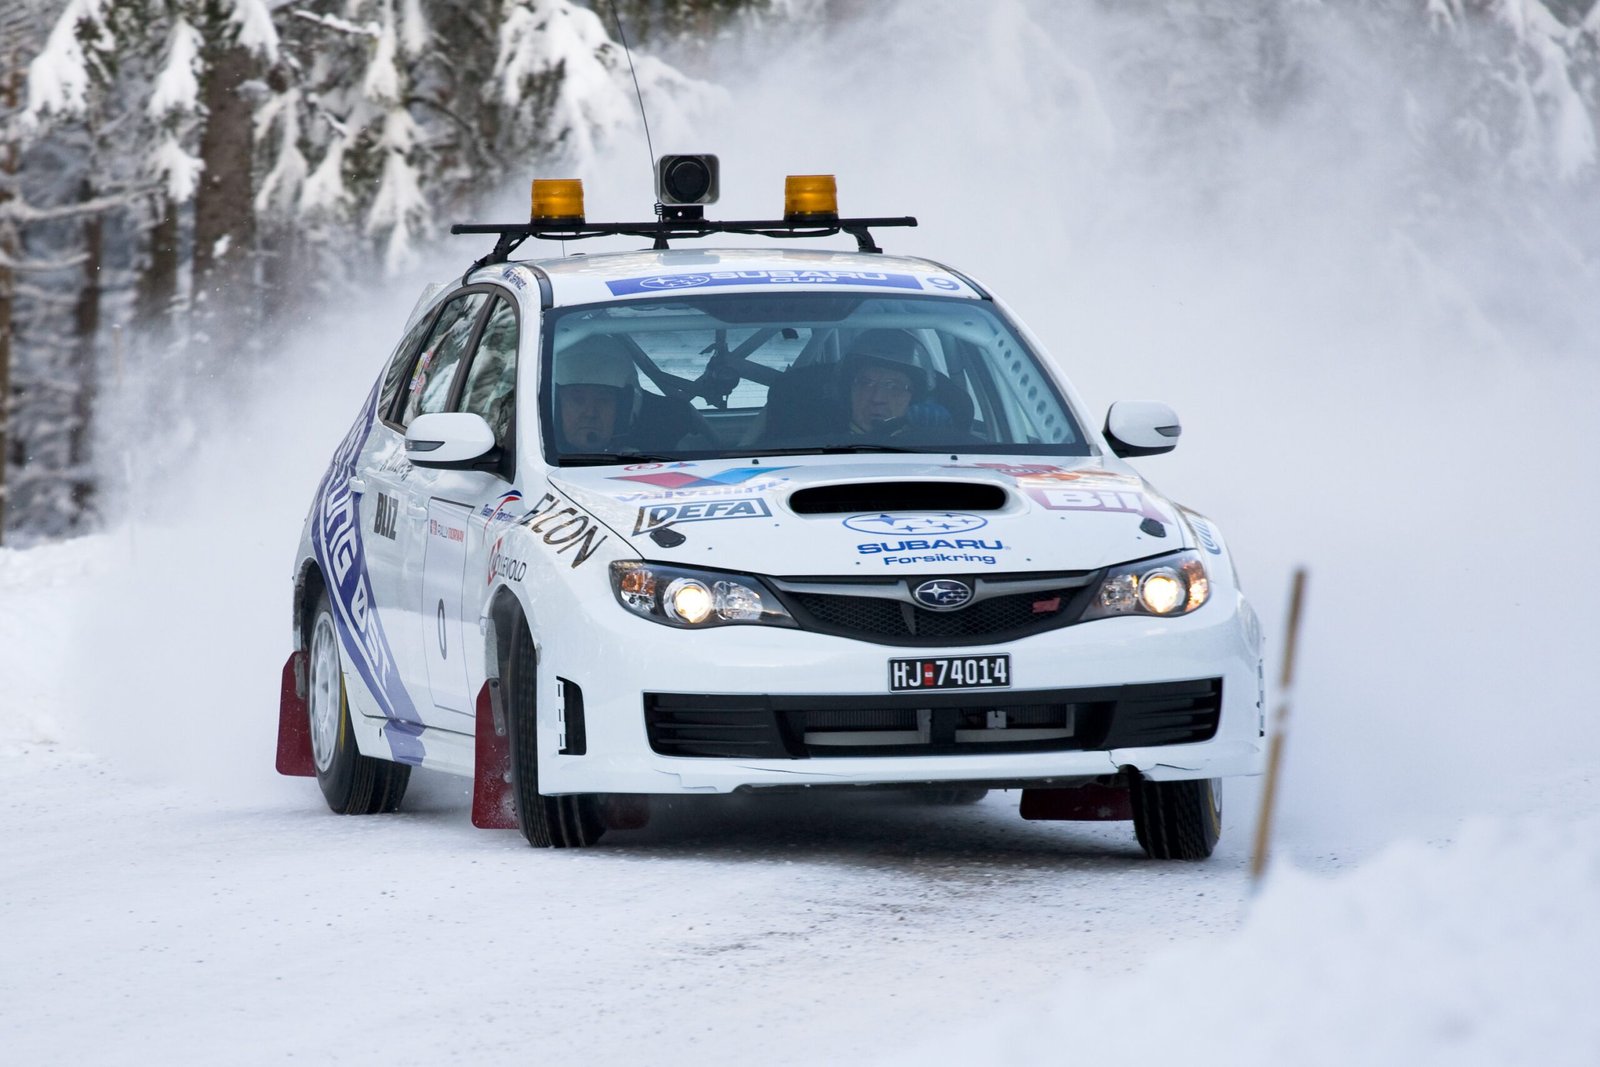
872 515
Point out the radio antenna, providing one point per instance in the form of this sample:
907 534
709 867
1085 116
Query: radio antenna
622 35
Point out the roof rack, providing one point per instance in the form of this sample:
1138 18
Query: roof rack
513 234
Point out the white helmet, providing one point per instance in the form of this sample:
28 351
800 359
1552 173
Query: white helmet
601 359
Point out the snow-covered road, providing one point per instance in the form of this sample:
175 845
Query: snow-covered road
148 923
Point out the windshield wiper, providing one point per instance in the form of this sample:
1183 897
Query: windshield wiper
601 459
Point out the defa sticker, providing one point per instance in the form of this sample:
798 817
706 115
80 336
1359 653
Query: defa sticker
652 516
565 528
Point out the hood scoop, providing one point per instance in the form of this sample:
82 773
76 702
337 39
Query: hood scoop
897 496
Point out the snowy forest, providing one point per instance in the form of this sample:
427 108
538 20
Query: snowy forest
180 179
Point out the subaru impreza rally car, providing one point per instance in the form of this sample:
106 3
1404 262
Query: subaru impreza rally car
683 521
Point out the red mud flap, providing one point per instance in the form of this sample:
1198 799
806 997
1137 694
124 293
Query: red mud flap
294 725
1089 803
493 806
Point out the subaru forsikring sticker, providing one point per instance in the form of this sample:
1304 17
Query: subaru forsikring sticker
936 550
656 283
947 522
336 541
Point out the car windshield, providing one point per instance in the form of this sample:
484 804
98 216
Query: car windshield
737 375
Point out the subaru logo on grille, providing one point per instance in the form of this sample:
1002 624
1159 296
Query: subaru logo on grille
942 594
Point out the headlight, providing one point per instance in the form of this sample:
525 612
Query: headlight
694 599
1167 585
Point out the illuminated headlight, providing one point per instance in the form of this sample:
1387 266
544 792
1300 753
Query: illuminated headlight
1168 585
678 596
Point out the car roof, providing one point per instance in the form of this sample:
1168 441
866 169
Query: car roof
608 276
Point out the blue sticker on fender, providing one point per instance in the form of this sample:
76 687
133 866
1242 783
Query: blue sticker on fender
657 283
336 539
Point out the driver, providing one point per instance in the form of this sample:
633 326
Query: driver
886 372
597 393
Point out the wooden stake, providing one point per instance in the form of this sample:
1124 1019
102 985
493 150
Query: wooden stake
1280 729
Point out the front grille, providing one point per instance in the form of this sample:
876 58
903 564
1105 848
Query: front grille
882 612
930 724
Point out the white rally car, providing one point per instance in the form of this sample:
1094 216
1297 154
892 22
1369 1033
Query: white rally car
697 521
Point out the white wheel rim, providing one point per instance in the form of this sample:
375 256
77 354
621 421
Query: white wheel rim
327 692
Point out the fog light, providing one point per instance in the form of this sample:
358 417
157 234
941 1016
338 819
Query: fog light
1162 592
737 603
1119 592
689 600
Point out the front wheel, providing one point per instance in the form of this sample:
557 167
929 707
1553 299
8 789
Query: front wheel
1177 820
547 822
352 784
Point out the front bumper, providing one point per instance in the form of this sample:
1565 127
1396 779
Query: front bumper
628 670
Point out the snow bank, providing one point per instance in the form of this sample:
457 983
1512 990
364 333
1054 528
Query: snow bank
1480 952
39 593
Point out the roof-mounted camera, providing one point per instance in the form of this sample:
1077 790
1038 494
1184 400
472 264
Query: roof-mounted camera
685 184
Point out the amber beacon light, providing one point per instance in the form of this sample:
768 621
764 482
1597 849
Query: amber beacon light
810 196
557 198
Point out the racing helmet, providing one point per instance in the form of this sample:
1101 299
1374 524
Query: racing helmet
601 359
895 349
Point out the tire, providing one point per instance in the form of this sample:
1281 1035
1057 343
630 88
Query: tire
1177 820
352 784
547 822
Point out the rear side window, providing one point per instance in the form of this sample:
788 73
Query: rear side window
492 379
400 364
429 388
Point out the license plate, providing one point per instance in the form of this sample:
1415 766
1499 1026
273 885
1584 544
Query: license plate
950 672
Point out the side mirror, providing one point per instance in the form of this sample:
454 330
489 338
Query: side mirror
448 439
1141 428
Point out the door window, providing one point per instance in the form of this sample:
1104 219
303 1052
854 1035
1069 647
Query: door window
492 379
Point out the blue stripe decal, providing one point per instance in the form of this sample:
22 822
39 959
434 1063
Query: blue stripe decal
336 540
660 283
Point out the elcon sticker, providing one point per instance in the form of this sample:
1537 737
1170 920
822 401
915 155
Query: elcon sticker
652 516
565 527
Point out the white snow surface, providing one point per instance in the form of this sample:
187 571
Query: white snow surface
1410 417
